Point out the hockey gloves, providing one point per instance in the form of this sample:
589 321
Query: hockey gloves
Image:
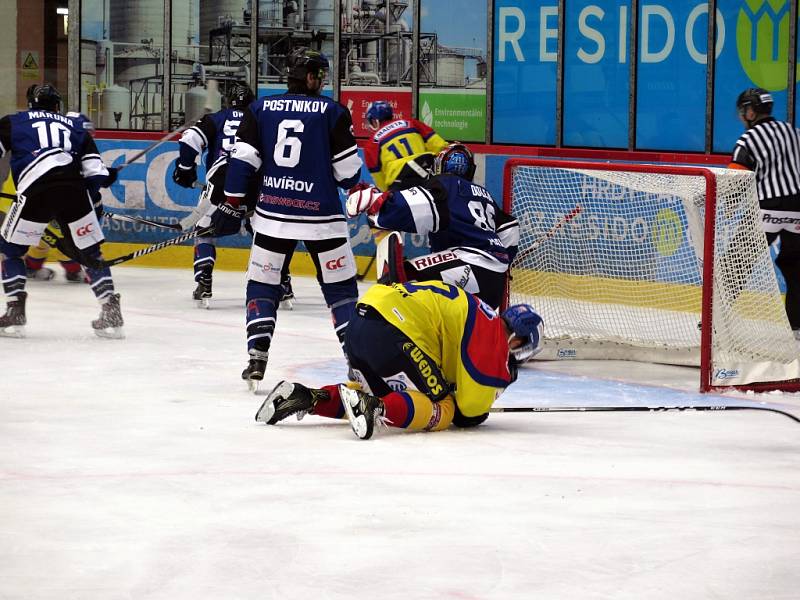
112 177
227 219
184 176
364 197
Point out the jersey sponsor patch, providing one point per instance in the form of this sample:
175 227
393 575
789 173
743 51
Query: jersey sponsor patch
337 264
86 231
429 373
265 266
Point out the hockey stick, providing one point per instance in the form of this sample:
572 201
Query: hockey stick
361 276
100 264
563 220
564 409
211 85
173 226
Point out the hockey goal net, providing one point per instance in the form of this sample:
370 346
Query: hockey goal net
660 264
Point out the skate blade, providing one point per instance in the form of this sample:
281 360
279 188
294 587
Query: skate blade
14 331
267 410
203 303
110 333
252 385
287 304
349 400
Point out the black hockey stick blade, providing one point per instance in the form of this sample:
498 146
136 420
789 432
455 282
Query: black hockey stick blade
701 407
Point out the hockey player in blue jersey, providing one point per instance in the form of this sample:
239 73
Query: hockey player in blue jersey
301 146
214 134
58 174
472 240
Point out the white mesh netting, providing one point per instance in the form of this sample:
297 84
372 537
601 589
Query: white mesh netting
623 277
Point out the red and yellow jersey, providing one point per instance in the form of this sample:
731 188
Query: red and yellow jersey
464 336
394 144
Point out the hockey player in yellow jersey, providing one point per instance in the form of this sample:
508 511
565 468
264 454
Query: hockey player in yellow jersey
401 151
425 355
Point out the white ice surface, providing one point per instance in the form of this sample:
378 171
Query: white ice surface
134 470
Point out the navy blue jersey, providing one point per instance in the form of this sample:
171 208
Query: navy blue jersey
455 214
215 134
304 147
40 141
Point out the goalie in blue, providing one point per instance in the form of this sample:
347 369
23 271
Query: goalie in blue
473 242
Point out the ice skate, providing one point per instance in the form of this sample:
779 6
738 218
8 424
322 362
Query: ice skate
202 295
12 324
254 372
287 299
287 399
109 324
363 411
40 274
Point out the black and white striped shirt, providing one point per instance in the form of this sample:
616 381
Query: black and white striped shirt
771 149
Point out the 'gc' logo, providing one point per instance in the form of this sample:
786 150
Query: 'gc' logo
335 264
85 230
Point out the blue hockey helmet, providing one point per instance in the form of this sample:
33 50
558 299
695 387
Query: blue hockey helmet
455 159
378 113
527 326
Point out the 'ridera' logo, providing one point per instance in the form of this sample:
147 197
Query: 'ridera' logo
667 232
762 41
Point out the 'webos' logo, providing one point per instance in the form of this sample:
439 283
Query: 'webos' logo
84 230
336 263
762 42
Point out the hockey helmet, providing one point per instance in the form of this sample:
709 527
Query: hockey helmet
240 95
759 99
303 60
378 112
44 97
525 325
455 159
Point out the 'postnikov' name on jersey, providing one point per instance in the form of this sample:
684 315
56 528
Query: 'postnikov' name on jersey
310 106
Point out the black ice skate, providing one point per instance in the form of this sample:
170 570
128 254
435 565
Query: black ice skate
109 324
287 399
363 411
202 294
12 324
254 372
287 299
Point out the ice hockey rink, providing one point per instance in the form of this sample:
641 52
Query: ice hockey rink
133 469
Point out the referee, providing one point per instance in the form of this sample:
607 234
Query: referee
771 149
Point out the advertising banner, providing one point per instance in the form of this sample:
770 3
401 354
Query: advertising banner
357 99
455 114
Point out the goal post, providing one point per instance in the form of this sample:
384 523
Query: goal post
654 263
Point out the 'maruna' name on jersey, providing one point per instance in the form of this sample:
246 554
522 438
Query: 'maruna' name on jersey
41 114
